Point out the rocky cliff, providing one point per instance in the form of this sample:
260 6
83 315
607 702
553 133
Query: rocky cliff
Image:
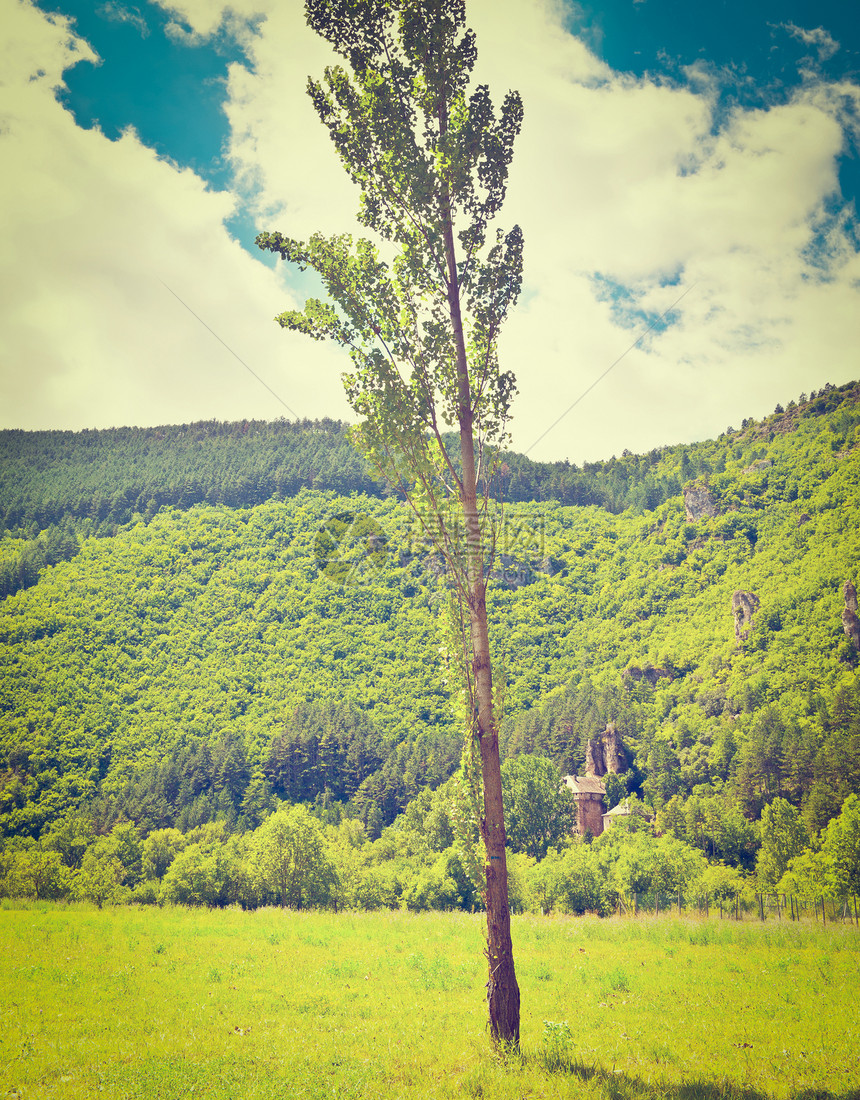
605 753
744 606
850 621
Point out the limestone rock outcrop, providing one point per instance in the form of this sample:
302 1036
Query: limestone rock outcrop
699 503
760 464
850 621
512 572
605 753
744 606
650 674
550 565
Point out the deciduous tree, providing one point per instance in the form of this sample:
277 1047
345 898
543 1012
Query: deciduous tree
289 862
539 810
783 836
842 845
421 318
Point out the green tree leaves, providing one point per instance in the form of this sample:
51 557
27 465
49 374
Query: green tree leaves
206 872
783 836
842 845
539 811
424 155
289 863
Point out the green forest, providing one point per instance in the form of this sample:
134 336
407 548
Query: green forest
225 674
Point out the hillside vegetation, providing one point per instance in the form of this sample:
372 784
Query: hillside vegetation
232 641
59 486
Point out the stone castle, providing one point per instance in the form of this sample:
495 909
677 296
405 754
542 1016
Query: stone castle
603 754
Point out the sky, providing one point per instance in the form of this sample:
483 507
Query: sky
686 180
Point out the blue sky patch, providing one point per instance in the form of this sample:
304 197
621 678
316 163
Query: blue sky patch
170 92
626 310
761 51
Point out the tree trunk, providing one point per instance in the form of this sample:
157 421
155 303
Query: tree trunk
503 993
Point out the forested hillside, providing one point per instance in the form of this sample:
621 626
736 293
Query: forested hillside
57 487
203 662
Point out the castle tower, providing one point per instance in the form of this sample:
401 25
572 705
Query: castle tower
588 794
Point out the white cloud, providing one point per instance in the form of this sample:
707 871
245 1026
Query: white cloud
117 13
612 175
818 38
623 177
626 178
185 37
282 155
90 229
195 21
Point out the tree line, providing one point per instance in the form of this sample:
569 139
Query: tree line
298 856
108 476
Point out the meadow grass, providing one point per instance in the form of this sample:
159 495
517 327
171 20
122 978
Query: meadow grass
179 1002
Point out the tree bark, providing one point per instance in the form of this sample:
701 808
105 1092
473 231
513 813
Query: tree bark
503 993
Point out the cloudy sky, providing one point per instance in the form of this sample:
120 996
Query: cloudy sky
686 177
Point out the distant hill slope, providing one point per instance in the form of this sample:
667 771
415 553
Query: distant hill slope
57 487
202 656
108 476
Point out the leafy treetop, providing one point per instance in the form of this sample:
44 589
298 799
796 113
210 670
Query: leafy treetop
427 157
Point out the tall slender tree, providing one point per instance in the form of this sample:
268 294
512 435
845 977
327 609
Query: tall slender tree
420 314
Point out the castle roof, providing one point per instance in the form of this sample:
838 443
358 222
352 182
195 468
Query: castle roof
624 809
585 784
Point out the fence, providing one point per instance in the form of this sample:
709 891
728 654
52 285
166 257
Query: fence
789 907
829 910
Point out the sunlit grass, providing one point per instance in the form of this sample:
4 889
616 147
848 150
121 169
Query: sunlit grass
172 1002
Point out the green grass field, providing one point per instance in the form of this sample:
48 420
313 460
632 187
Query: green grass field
174 1002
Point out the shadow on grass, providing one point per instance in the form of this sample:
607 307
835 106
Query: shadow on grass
502 1076
618 1085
